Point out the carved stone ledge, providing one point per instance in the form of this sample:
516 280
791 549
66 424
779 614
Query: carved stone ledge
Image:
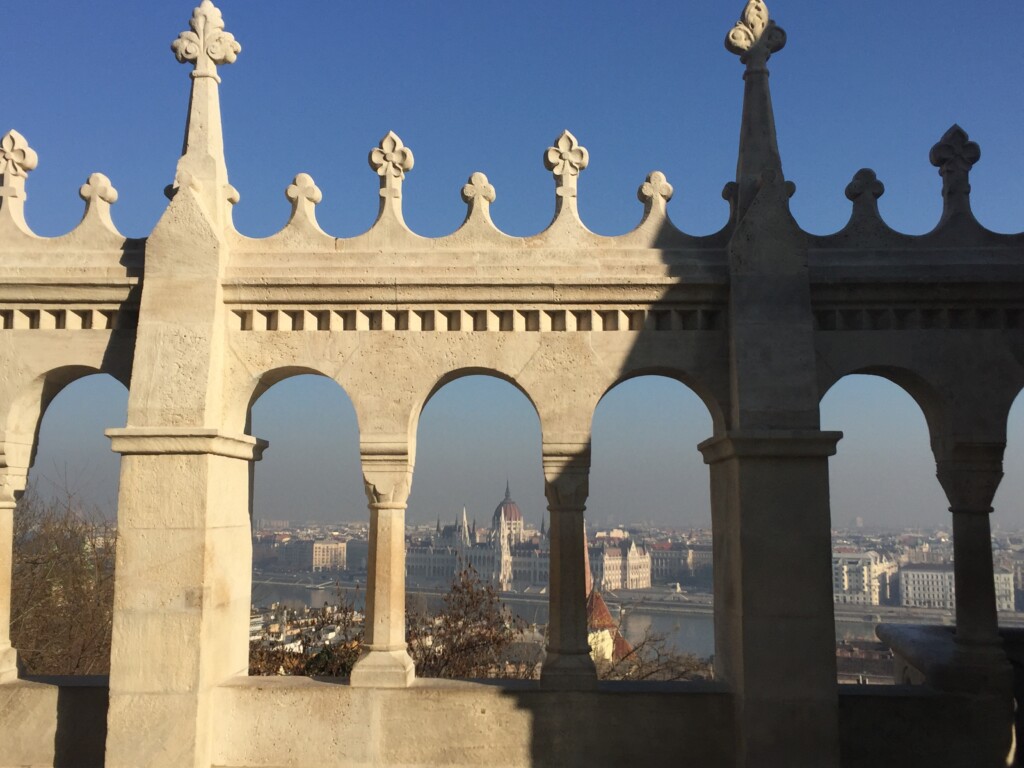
134 441
43 318
915 318
769 444
930 655
479 320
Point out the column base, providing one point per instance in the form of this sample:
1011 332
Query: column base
8 664
568 672
384 669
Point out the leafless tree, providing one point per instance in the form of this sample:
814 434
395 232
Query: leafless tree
469 637
312 653
652 658
62 590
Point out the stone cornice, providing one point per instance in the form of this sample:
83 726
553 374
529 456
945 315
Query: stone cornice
133 441
769 444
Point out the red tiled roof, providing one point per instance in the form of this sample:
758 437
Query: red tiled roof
598 615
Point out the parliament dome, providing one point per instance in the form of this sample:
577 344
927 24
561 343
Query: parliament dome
509 507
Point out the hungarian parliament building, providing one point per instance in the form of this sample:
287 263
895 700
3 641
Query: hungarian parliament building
514 558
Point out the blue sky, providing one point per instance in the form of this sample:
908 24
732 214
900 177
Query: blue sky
486 86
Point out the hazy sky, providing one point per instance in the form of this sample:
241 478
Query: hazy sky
487 86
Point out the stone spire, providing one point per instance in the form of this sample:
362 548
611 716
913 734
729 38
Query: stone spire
202 166
754 39
588 574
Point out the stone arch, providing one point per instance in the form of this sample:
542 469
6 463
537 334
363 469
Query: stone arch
1009 498
922 466
928 397
461 373
261 383
28 406
692 383
335 394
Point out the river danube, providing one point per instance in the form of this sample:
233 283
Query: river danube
687 629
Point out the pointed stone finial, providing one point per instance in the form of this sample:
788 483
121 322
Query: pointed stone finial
305 195
755 37
99 194
565 160
655 193
17 158
207 44
954 156
478 193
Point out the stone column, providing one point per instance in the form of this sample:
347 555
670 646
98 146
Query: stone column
387 476
774 625
183 590
970 475
8 656
566 484
14 461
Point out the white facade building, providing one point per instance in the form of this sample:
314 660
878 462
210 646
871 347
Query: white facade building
329 555
933 586
862 578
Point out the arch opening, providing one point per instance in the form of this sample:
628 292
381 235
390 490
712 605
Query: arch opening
62 585
892 544
649 532
477 561
1008 515
310 528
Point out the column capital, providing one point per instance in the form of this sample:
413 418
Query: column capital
970 474
134 441
387 471
769 443
566 474
15 458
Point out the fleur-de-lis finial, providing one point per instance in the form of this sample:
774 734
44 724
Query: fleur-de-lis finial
17 158
305 195
565 160
206 44
954 155
755 37
391 159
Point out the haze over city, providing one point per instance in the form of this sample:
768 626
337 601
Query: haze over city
465 107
